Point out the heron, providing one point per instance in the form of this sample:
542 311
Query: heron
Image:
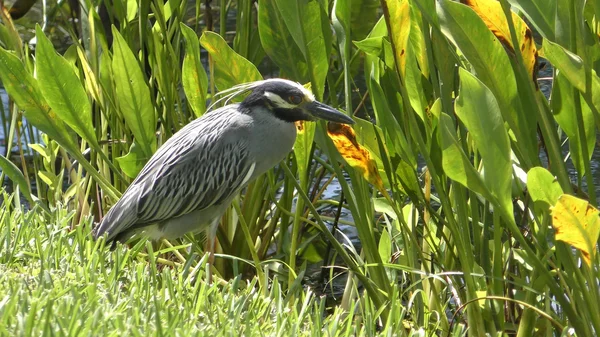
191 180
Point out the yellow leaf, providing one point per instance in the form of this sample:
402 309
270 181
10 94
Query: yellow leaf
354 154
490 11
575 222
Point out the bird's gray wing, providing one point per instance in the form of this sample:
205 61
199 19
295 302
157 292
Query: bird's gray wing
214 169
202 165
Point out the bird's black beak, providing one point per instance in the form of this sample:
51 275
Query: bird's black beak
324 111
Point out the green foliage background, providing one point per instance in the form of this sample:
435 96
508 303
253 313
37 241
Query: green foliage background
472 152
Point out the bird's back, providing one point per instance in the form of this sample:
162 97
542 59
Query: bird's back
198 167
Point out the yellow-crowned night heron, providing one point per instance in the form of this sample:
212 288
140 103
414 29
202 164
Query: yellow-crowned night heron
190 181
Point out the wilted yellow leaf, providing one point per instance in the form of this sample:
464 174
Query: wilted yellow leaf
356 155
490 11
575 222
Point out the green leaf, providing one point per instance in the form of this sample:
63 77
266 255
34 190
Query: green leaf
195 81
133 162
23 88
48 178
541 13
308 25
455 162
543 186
385 246
478 110
564 110
488 57
566 62
278 43
303 149
133 95
571 66
13 172
63 90
230 67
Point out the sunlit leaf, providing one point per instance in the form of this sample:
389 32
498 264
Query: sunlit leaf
541 13
133 95
489 60
543 186
230 67
565 110
385 246
571 66
63 90
455 162
194 79
490 11
133 162
303 147
400 12
575 222
13 172
24 89
356 155
478 110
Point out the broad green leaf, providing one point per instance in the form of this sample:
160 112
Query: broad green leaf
303 148
385 246
13 172
571 66
491 64
230 68
395 137
278 43
316 46
564 110
292 10
63 90
133 95
23 88
543 186
567 62
455 162
541 13
132 9
133 162
308 25
379 47
478 110
195 81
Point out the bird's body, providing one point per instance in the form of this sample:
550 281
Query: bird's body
191 180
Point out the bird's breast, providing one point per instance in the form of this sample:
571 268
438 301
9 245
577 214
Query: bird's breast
271 142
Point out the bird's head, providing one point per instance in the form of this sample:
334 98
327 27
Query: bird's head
291 102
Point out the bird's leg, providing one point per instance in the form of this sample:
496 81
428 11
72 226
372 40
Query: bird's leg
211 234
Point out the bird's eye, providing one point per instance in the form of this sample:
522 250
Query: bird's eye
295 99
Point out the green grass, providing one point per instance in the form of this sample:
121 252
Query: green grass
57 281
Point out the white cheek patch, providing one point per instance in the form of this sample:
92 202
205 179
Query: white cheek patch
278 101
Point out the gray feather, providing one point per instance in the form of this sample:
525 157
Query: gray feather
202 165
